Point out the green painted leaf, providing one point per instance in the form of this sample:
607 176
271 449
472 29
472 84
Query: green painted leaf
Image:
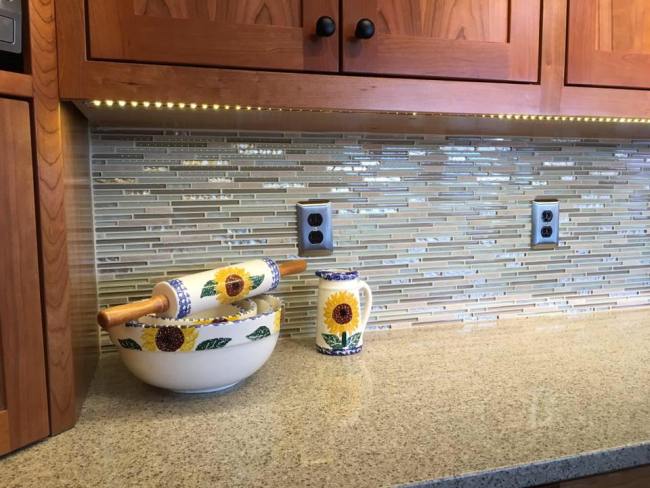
129 344
256 281
259 333
215 343
209 289
354 339
333 341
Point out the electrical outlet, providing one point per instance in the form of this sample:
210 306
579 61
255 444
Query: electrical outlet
546 223
315 228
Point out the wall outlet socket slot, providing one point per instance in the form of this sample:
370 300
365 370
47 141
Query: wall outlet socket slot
315 228
546 223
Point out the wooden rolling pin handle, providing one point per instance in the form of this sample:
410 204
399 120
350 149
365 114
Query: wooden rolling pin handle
118 315
293 266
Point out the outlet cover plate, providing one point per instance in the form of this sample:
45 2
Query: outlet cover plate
315 228
545 224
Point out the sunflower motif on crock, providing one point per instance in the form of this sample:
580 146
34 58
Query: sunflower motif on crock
341 313
169 338
277 321
233 284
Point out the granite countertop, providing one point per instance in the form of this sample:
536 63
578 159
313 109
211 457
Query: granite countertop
516 403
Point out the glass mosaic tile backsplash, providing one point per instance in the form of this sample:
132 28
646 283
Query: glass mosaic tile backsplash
439 226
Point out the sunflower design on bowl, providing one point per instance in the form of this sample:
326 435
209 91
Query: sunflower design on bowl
169 338
232 284
277 321
341 314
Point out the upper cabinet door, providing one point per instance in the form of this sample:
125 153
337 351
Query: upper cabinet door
609 43
266 34
469 39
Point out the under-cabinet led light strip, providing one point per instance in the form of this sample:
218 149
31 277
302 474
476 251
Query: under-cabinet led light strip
157 105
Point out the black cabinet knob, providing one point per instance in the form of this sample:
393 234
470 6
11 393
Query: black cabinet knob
365 29
325 26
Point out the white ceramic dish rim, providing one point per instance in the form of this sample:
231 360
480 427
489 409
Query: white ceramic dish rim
243 314
275 302
203 338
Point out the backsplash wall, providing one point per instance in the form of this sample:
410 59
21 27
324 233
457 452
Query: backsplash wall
439 226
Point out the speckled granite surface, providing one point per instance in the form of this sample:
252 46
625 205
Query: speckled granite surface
512 404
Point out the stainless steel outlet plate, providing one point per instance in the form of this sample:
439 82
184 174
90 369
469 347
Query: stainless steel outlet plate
545 229
315 228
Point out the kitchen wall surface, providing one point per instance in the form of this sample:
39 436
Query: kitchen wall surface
439 226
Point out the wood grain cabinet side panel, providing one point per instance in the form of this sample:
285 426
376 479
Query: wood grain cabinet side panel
81 248
265 34
55 275
609 43
5 435
21 329
469 39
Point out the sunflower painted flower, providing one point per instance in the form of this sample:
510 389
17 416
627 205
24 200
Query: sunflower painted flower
232 283
277 321
169 339
341 313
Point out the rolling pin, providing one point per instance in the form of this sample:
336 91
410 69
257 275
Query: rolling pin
198 292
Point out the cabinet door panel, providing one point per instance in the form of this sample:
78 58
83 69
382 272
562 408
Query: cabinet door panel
471 39
266 34
23 409
609 43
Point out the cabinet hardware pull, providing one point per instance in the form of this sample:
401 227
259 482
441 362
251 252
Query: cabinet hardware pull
325 26
365 29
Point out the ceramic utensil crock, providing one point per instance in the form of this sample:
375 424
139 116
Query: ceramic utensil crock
339 324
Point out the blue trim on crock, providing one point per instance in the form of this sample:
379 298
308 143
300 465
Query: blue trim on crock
333 275
339 352
184 301
275 272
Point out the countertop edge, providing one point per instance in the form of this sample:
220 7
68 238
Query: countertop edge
548 471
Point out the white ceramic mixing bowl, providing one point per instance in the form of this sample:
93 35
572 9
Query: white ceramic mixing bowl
200 358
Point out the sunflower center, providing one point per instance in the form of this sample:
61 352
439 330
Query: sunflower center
234 285
169 339
342 313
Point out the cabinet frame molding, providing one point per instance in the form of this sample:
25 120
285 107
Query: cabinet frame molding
68 372
17 85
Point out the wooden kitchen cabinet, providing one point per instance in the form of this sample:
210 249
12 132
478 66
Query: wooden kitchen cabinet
23 394
425 56
609 43
265 34
469 39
